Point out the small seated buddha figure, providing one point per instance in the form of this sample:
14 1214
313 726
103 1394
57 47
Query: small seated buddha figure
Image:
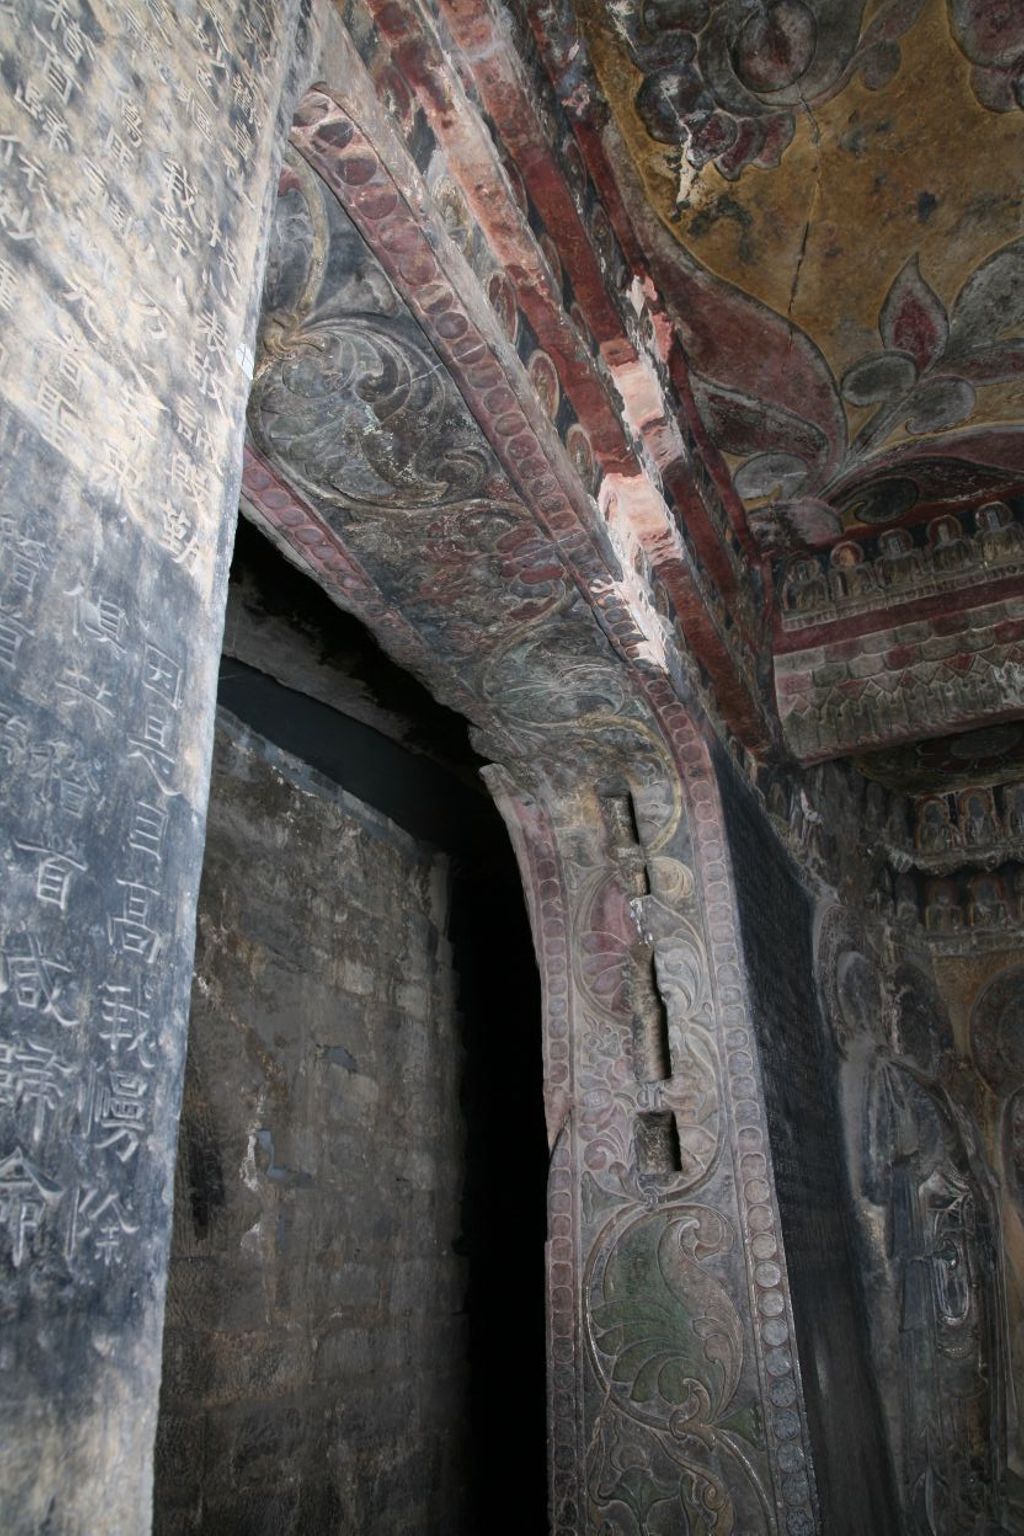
934 831
941 912
805 587
906 900
950 551
899 564
1000 536
986 902
977 817
1013 810
1018 893
850 577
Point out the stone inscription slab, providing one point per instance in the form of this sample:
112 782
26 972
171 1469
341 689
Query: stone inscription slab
137 146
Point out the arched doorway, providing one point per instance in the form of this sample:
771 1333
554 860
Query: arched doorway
357 1267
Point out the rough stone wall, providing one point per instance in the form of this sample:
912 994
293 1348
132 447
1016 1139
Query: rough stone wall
139 145
801 1087
314 1358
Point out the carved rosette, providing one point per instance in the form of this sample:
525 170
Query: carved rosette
357 411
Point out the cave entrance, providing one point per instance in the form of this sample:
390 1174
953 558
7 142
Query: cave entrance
355 1319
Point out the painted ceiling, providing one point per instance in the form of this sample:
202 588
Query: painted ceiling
843 179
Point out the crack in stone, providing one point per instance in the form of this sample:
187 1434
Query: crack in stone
815 197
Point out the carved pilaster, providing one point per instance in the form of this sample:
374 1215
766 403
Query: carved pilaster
675 1392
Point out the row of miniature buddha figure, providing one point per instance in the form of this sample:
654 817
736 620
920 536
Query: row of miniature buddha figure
946 906
877 713
900 565
974 818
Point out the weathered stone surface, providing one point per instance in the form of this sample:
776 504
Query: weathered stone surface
935 1253
316 1334
139 148
851 1459
489 388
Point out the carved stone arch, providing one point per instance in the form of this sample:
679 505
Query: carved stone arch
655 1105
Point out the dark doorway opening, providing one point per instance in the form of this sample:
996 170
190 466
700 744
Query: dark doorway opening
301 678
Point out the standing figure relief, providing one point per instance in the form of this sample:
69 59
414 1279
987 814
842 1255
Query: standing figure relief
925 1209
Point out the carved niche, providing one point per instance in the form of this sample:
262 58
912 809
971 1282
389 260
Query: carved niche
929 1239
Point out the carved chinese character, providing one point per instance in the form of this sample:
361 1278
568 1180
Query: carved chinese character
80 298
14 736
82 687
54 871
120 154
100 618
55 130
223 274
104 1219
34 978
153 314
146 834
154 744
22 574
157 730
116 1111
162 674
59 412
28 96
74 42
15 219
176 208
132 931
190 425
126 1023
131 118
34 177
119 473
190 480
65 781
32 1077
57 72
26 1194
13 634
8 286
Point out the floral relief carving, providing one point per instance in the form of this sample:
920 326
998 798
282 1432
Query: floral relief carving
666 1344
921 382
726 81
991 35
358 411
